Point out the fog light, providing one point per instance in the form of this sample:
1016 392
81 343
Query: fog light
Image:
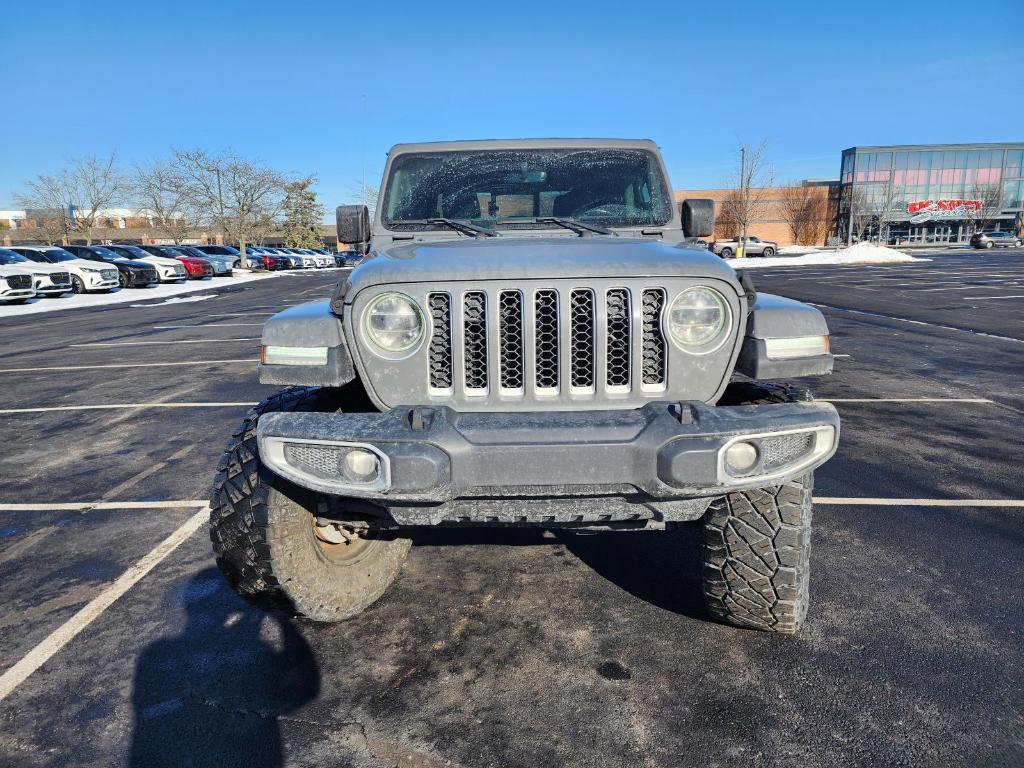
741 457
361 465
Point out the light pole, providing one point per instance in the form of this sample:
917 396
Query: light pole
741 251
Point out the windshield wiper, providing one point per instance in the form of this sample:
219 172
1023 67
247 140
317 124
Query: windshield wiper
464 227
581 229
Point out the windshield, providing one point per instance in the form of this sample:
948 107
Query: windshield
511 188
132 252
10 257
58 254
106 253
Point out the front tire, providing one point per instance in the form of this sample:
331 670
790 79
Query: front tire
263 532
726 253
989 244
757 543
77 286
757 547
768 253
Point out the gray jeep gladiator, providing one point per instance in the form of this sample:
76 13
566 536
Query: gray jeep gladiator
530 341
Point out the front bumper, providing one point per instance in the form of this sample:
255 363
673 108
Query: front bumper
435 464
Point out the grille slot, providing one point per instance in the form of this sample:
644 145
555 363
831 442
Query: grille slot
474 341
618 338
581 344
510 334
440 351
546 341
653 340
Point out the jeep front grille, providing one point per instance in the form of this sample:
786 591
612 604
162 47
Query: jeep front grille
574 338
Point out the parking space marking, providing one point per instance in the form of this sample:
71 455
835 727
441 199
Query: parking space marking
209 325
869 502
239 314
125 365
907 400
67 631
150 470
141 343
76 506
115 406
917 322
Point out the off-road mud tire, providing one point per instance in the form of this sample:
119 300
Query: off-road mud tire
261 527
757 543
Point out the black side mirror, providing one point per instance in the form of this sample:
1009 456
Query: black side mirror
698 217
354 226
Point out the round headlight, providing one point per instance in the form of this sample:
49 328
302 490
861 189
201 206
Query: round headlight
394 322
697 316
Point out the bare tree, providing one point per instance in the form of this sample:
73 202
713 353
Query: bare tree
46 201
366 194
302 214
161 192
805 210
92 184
989 205
752 181
882 207
859 214
231 192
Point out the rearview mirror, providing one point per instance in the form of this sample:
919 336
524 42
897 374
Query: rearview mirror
354 226
698 217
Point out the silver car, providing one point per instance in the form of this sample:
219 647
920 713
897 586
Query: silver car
754 247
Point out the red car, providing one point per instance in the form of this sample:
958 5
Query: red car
197 268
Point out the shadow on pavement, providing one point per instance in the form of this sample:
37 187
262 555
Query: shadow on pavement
212 695
660 567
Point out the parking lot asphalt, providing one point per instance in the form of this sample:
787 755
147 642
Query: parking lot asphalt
518 648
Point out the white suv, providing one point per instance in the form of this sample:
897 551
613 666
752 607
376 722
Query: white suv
15 286
47 279
86 276
170 270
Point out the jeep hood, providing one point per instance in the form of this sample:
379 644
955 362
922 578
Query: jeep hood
509 259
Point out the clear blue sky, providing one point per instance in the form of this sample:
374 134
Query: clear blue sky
327 87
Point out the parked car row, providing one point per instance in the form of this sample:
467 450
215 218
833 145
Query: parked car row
274 257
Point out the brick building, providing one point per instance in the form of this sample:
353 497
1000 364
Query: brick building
773 223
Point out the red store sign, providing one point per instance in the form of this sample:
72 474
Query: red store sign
944 206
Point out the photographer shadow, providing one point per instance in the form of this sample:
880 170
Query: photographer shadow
214 694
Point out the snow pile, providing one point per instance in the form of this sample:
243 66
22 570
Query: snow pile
797 250
861 253
125 295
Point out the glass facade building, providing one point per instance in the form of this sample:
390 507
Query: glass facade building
929 193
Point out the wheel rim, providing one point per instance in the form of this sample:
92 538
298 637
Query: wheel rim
352 547
122 281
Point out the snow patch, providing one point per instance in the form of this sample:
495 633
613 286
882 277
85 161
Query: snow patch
861 253
126 295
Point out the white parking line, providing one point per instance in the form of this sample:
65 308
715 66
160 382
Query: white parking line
116 406
124 365
239 314
141 343
868 502
67 631
210 325
907 400
917 322
90 505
